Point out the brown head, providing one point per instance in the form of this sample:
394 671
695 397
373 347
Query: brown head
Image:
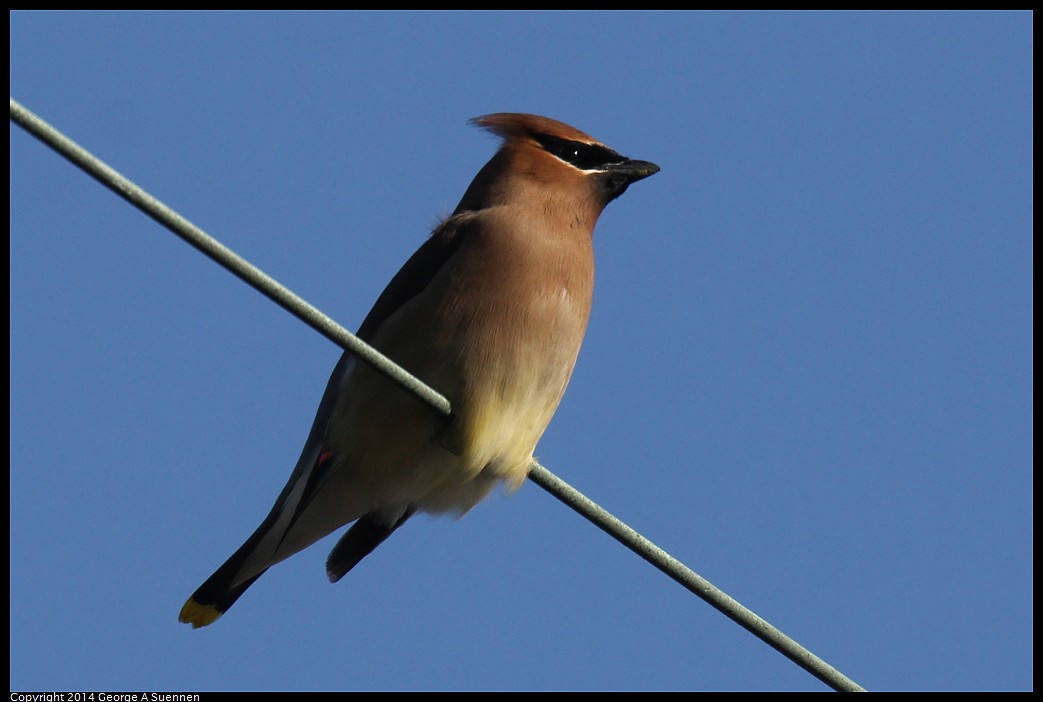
551 160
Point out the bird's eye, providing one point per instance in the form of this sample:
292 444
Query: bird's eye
587 157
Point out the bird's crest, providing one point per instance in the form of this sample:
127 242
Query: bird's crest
518 124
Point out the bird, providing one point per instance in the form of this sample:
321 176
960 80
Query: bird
490 311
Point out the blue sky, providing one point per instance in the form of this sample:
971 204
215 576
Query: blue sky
807 375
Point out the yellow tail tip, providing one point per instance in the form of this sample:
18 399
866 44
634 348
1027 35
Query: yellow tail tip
198 614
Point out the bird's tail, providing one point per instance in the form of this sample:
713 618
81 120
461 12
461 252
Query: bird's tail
212 599
225 586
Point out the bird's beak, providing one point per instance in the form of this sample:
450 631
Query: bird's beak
634 170
617 176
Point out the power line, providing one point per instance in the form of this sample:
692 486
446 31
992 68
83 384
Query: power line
306 312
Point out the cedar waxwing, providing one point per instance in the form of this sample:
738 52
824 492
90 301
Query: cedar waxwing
490 312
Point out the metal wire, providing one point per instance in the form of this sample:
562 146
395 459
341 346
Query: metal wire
297 306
